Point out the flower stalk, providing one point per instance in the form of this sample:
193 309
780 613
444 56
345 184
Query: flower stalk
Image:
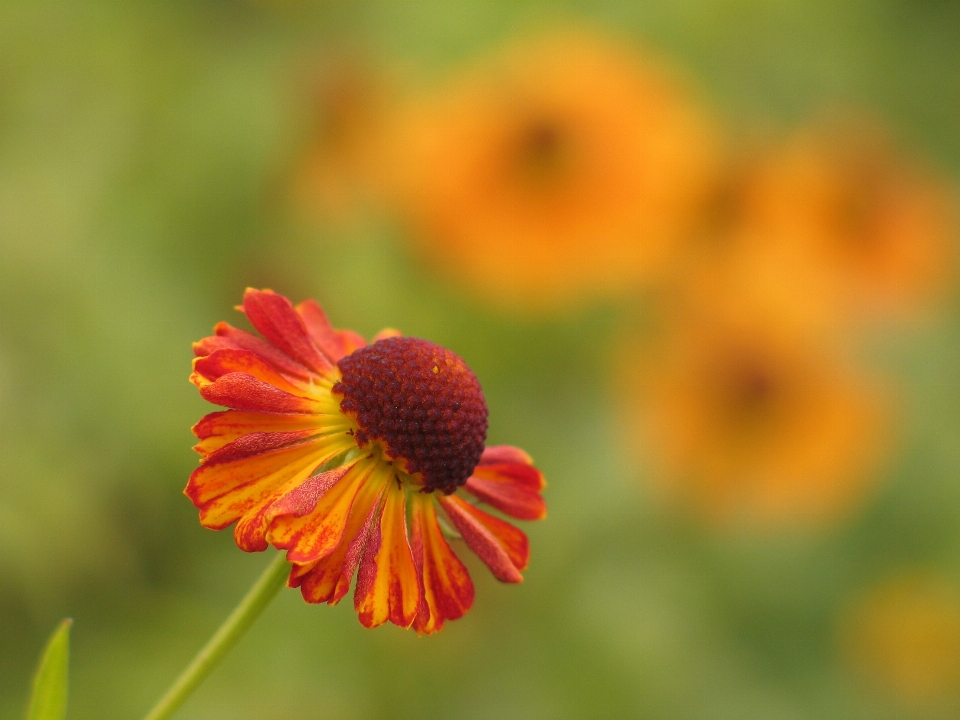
233 628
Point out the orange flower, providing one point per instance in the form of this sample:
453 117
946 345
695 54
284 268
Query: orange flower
350 101
877 227
328 441
567 169
904 637
744 420
734 265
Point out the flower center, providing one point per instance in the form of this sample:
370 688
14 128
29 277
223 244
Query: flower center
421 403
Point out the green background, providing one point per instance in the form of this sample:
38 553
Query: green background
143 150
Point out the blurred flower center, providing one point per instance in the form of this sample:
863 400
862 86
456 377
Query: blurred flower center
857 207
854 215
543 152
748 389
421 404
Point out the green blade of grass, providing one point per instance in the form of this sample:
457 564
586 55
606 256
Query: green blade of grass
48 699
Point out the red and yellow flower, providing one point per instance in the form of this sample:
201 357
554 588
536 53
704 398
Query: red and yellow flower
351 457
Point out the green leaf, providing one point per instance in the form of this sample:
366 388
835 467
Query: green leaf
48 701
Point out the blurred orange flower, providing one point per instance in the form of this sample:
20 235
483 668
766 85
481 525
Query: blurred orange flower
566 168
877 228
329 444
903 637
730 266
349 102
743 419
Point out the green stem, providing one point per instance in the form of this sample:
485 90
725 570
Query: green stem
233 628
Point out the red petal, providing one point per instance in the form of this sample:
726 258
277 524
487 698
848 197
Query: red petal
331 342
310 522
499 544
227 491
350 340
223 362
218 476
496 454
274 316
257 443
329 579
220 428
241 391
304 499
251 531
512 488
229 337
388 587
447 588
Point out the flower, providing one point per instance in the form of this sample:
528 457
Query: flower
877 226
903 636
328 443
566 169
747 420
747 269
348 103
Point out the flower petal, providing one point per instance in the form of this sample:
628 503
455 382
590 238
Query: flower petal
230 468
240 391
496 454
512 488
211 367
258 443
447 588
328 580
251 531
387 333
388 587
225 490
228 337
350 340
499 544
335 344
310 522
277 320
219 428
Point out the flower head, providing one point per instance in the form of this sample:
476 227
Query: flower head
566 168
877 225
903 637
330 444
747 420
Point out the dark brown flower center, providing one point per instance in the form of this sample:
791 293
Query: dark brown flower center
422 403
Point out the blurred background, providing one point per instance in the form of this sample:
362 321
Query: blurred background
701 255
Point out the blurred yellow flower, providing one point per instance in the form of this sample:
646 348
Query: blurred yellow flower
744 420
877 227
903 637
566 168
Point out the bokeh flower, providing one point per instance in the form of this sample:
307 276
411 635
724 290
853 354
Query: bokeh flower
738 263
329 444
877 227
348 102
567 168
903 637
744 420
